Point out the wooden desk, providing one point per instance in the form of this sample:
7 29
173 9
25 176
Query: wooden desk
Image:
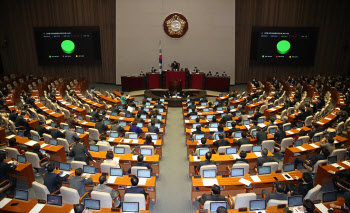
119 94
290 151
326 120
273 111
126 161
24 206
108 99
73 109
323 176
59 118
57 153
132 83
24 172
232 186
2 137
222 161
88 101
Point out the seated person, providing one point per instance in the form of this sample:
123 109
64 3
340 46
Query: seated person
255 126
304 187
260 136
264 158
100 126
102 187
220 130
140 163
226 117
78 182
41 129
233 129
198 130
153 128
243 140
56 133
134 189
53 180
312 160
36 150
115 127
213 196
280 134
314 130
138 119
194 112
243 155
80 152
148 141
104 142
71 136
206 162
221 142
221 209
203 144
79 208
135 128
278 195
345 208
109 158
5 168
308 207
13 144
328 143
142 111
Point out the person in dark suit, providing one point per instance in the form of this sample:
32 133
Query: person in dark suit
52 180
159 105
308 207
94 114
175 66
142 111
221 142
314 130
213 196
71 136
233 129
304 187
191 106
257 115
78 182
80 152
206 162
20 120
302 115
13 116
36 150
243 140
312 160
41 129
153 128
102 187
198 130
115 127
134 189
278 195
261 136
194 112
242 159
72 121
138 119
140 163
226 117
255 126
203 145
280 134
100 126
56 133
5 168
264 158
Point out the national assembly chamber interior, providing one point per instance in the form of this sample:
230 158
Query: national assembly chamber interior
162 106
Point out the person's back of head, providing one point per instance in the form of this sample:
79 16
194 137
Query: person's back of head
103 137
203 140
153 123
109 155
78 172
280 187
309 205
148 139
215 189
221 209
244 134
51 167
243 154
79 208
280 127
330 140
134 123
12 141
197 120
221 136
325 152
208 155
198 128
2 157
140 158
102 179
36 147
134 181
307 177
264 152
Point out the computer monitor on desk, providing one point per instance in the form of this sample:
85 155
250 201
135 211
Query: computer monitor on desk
329 197
209 173
237 172
255 205
209 117
257 148
54 200
132 135
92 204
22 159
36 138
298 143
238 134
261 120
88 169
130 207
316 138
215 205
246 122
119 150
116 172
94 148
53 142
203 151
21 195
264 170
231 150
64 166
199 137
80 130
213 125
288 167
295 201
146 151
114 134
144 173
332 159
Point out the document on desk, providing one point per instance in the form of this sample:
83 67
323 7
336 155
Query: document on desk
261 125
51 113
272 109
196 158
314 145
260 211
31 143
4 202
142 181
84 123
219 111
11 136
110 139
245 181
111 179
134 157
287 176
328 119
301 148
135 140
121 118
236 156
209 181
126 140
247 126
213 129
37 208
192 130
45 109
320 123
258 154
72 211
255 178
290 132
337 166
43 145
187 121
346 163
322 207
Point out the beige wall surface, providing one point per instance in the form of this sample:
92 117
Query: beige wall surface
208 44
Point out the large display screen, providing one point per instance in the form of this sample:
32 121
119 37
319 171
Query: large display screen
283 45
67 45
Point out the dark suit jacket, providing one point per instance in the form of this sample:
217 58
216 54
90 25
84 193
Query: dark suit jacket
211 197
279 135
40 155
303 189
242 141
101 127
241 161
226 118
51 181
79 152
261 136
20 122
79 183
41 130
55 133
13 117
275 196
257 115
153 129
222 142
264 159
232 130
313 132
136 190
4 169
206 162
94 115
117 128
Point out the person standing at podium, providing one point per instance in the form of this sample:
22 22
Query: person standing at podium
175 66
142 74
209 74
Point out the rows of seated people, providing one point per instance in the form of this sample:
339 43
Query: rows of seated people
236 124
114 125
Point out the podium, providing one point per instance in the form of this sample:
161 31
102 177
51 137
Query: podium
197 81
153 80
175 76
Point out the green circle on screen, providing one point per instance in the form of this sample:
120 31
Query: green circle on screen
283 46
68 46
